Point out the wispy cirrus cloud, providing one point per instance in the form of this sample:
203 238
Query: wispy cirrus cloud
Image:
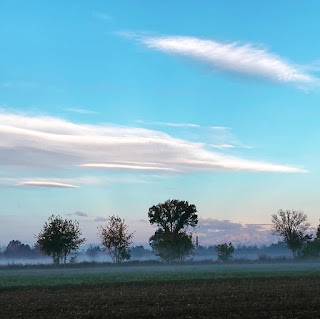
219 137
30 142
170 124
220 128
81 111
240 58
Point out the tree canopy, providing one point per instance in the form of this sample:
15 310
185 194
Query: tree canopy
59 237
173 215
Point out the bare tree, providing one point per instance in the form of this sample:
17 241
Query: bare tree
290 226
116 238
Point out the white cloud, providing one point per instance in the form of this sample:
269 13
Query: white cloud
235 57
46 184
34 143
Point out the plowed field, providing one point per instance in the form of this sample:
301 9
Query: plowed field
274 297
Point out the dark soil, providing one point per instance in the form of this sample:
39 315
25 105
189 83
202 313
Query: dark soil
229 298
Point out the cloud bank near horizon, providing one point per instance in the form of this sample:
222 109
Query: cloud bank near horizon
244 59
212 232
34 143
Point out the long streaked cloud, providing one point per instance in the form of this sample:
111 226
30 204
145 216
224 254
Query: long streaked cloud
46 184
241 58
128 167
76 179
35 143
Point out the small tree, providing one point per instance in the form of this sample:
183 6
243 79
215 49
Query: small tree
59 237
311 247
116 238
224 251
290 226
16 249
171 241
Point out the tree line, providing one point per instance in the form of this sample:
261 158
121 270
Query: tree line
172 240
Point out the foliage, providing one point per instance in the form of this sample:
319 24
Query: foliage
59 237
173 215
224 251
311 247
171 242
291 225
116 238
171 246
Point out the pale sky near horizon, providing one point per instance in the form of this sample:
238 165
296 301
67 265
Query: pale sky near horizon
110 107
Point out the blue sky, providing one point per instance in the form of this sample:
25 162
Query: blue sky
109 107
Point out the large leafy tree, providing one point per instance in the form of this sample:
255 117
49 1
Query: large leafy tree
116 239
291 226
59 237
171 246
171 241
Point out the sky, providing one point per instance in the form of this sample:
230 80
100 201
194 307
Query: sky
111 107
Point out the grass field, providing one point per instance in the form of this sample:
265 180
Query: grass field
113 274
286 290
